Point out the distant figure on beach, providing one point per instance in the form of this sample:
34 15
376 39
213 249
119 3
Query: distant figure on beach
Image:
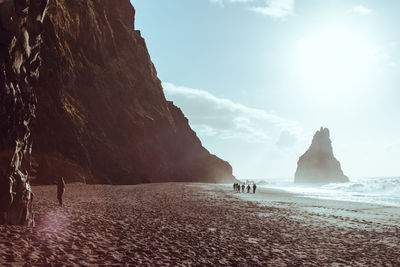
254 188
242 188
60 189
234 187
248 188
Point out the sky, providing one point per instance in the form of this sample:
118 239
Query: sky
257 78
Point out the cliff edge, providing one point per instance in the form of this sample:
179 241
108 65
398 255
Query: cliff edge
101 114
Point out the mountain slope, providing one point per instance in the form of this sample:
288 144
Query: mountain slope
101 107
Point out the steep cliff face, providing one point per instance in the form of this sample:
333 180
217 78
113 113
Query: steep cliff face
318 164
101 108
20 28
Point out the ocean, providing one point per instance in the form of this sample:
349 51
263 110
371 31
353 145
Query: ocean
382 191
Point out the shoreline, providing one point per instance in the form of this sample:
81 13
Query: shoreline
374 212
199 224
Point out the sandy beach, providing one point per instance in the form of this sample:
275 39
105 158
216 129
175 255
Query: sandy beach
200 224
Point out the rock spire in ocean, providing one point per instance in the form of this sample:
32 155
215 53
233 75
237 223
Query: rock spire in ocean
318 164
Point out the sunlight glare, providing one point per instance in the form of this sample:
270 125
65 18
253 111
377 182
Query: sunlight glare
334 62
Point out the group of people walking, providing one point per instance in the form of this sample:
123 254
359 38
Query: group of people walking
237 187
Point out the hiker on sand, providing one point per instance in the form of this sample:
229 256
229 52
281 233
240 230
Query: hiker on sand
248 188
254 188
60 189
242 188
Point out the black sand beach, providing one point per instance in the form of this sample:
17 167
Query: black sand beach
200 224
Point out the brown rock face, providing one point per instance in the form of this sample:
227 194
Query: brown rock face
20 28
101 107
318 164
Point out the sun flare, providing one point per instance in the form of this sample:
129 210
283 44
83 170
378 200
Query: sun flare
334 61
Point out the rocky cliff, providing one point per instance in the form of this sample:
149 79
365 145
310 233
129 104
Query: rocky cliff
318 164
102 115
20 28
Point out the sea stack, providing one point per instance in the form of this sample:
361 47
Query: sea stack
318 164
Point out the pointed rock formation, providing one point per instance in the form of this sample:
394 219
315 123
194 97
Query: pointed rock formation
20 29
318 164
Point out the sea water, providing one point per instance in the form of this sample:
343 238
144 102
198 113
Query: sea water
383 191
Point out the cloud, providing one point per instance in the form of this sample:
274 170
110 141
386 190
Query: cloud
362 10
393 148
286 140
276 8
225 119
272 8
223 2
395 43
389 54
231 1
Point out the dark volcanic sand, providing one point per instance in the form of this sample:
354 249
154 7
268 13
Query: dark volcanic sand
183 224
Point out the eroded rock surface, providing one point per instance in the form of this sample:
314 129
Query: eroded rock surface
102 107
20 29
101 114
318 164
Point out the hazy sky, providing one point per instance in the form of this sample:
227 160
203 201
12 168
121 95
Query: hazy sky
257 78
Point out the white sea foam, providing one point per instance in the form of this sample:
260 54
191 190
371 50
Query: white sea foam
384 191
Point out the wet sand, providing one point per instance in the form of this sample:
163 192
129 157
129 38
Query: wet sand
197 224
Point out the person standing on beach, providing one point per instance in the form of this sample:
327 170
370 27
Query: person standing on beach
248 188
254 188
242 188
60 189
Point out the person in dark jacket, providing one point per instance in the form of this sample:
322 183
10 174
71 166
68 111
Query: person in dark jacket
248 188
254 188
60 189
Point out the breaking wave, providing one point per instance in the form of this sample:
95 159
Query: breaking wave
383 191
370 186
